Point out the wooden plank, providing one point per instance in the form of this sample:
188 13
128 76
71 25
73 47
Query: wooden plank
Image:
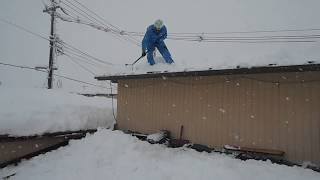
256 150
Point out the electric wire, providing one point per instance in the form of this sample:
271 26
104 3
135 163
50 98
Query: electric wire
64 44
62 76
69 46
204 37
233 32
258 31
97 15
80 65
84 13
255 39
91 24
104 20
253 42
24 29
94 20
83 59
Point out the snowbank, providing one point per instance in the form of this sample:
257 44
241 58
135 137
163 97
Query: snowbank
25 112
114 155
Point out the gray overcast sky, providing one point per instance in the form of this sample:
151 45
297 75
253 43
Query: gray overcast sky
17 47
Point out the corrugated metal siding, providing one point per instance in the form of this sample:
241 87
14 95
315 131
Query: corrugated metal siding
251 110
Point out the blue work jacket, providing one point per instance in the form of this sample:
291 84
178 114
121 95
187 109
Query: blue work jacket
153 37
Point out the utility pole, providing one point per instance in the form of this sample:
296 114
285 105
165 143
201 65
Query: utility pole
52 11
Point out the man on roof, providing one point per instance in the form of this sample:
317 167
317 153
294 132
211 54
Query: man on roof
154 38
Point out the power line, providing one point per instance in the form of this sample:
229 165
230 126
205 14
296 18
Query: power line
93 19
250 41
234 32
93 25
24 29
98 15
81 66
62 76
256 39
82 58
67 45
62 43
82 13
224 39
105 21
204 37
18 66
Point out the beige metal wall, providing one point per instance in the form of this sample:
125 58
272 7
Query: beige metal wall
246 110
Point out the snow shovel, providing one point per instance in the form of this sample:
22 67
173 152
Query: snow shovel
174 143
135 61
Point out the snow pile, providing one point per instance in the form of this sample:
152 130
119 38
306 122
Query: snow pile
25 112
114 155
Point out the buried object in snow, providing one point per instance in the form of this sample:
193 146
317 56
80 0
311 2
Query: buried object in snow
160 137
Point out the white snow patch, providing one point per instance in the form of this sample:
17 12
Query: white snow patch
114 155
25 112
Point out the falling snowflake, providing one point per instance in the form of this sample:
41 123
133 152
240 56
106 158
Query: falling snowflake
236 137
222 110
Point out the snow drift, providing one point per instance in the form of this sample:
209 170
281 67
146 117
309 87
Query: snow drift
25 112
114 155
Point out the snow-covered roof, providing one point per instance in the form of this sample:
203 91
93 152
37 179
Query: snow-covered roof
271 68
35 111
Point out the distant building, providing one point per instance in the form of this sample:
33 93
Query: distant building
273 107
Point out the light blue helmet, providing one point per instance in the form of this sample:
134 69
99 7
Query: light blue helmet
158 24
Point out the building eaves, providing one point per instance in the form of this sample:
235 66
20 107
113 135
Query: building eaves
210 72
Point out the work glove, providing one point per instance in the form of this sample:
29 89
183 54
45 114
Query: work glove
143 53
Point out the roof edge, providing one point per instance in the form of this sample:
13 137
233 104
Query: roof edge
253 70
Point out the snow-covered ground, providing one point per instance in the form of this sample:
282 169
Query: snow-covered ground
113 155
25 112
